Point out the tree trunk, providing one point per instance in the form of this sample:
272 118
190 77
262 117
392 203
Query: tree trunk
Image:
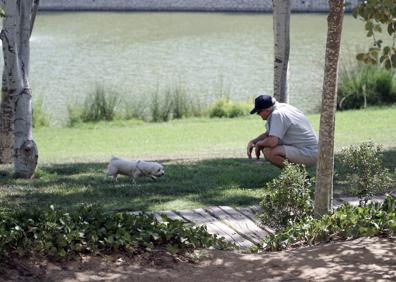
325 166
6 123
15 37
281 26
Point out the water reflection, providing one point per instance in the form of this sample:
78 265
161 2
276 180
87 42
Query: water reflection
136 53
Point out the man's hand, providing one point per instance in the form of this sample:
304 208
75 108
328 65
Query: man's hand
259 147
250 147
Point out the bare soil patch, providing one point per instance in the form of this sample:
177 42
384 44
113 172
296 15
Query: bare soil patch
364 259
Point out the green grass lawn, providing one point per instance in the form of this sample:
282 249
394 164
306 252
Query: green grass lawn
204 160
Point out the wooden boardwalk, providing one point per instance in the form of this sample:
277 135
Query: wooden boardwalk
237 225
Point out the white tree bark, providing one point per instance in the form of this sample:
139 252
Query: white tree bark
325 166
281 26
15 36
6 123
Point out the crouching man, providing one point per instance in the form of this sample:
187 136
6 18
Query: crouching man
288 136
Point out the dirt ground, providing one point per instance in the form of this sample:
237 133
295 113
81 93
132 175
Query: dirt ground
364 259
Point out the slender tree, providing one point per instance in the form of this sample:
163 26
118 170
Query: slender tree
15 35
325 166
281 26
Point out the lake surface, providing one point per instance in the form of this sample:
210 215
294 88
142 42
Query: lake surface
206 53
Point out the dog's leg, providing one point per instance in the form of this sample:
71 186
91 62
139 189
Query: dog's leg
134 184
114 179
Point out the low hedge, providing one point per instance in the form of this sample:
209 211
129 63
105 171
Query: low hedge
347 222
58 234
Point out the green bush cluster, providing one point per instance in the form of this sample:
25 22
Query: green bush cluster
99 105
225 108
362 165
58 234
288 198
174 103
363 86
347 222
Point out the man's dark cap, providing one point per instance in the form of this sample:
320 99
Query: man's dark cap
262 102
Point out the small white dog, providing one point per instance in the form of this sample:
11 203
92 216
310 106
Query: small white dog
134 169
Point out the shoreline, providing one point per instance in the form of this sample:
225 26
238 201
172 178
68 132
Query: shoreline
218 6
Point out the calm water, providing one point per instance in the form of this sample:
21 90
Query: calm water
136 53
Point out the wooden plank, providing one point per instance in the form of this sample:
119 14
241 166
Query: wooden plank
240 240
214 226
378 199
226 219
337 203
353 201
173 215
241 223
255 209
251 213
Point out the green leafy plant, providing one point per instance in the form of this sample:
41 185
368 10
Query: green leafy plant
347 222
225 108
288 198
364 170
376 14
361 86
58 234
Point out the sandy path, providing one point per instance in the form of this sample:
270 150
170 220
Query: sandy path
365 259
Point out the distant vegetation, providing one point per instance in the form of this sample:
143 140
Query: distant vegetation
174 103
359 86
365 85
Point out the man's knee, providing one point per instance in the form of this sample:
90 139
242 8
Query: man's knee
267 152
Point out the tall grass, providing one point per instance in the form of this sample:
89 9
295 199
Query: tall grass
361 86
39 118
175 103
98 105
161 106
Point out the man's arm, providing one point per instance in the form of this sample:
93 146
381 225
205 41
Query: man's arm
252 143
270 141
261 137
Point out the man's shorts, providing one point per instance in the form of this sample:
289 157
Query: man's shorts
304 156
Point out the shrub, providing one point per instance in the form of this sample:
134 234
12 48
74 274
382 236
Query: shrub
174 104
365 85
225 108
99 105
39 118
347 222
134 110
364 170
288 199
160 109
180 104
58 234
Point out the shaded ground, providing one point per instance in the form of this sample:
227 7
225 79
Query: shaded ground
364 259
187 184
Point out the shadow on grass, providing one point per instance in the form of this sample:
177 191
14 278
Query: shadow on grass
186 185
